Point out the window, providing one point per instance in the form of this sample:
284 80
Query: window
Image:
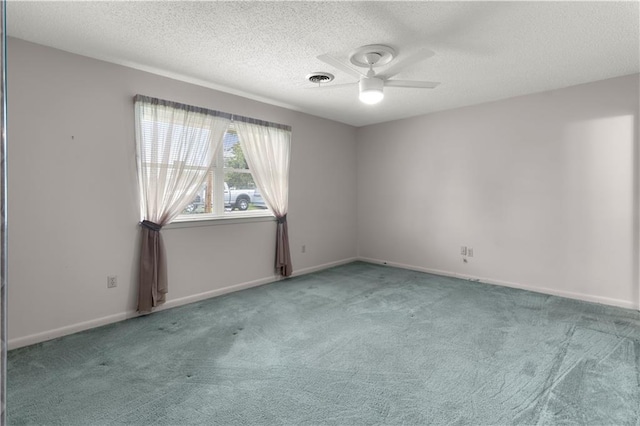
229 189
188 156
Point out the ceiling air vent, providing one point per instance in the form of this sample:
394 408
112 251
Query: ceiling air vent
320 77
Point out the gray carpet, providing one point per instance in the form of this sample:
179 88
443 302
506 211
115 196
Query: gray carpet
353 345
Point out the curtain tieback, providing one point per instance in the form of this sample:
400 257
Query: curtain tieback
282 219
150 225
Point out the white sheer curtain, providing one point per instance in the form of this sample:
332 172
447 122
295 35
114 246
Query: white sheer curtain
175 145
267 149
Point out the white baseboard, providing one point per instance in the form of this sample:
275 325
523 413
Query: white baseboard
32 339
213 293
75 328
311 269
86 325
544 290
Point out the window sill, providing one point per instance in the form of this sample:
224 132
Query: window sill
210 220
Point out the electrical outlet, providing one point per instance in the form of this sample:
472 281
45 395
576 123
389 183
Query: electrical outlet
112 281
304 248
463 250
470 252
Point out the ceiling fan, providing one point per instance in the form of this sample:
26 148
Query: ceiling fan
371 84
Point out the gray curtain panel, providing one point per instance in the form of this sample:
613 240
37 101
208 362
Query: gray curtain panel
153 285
283 254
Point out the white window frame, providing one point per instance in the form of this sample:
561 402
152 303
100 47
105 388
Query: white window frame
219 212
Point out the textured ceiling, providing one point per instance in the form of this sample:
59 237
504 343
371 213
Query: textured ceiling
263 50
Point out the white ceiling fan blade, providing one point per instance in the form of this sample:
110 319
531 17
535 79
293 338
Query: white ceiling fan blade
411 84
420 55
330 60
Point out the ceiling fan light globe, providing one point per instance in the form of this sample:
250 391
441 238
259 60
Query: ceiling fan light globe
371 97
371 90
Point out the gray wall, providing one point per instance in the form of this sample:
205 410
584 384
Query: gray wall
543 187
74 204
